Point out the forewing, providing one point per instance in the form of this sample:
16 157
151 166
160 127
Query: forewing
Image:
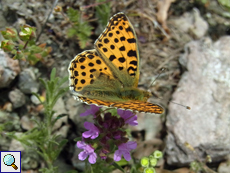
118 47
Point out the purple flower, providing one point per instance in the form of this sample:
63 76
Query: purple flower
92 111
128 116
92 132
124 149
88 151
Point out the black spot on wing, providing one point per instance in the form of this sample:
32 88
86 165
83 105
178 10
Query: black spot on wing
122 38
82 81
112 57
133 62
122 48
105 50
81 60
112 47
90 56
122 59
93 70
82 67
91 64
132 53
106 40
131 40
76 73
98 61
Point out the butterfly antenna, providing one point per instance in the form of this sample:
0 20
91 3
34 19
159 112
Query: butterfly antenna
187 107
161 71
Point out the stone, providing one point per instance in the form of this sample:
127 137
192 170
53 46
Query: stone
17 98
74 109
9 69
27 123
193 23
15 145
12 120
27 82
35 100
205 87
224 167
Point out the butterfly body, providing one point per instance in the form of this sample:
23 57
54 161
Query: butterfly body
108 75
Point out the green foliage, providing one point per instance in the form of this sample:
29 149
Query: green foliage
100 167
103 14
41 138
22 45
80 29
225 3
196 166
204 1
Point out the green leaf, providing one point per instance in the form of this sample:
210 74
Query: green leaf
7 45
77 139
10 34
103 13
53 74
225 3
118 167
73 15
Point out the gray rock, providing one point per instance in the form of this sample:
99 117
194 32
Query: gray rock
79 164
30 160
224 167
3 22
74 109
35 100
9 69
27 123
205 87
12 120
15 145
27 82
151 124
193 23
17 98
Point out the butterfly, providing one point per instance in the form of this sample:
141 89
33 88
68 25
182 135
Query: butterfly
108 75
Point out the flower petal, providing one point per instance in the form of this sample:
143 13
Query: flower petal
88 125
131 145
128 116
117 155
126 155
82 155
81 144
132 121
95 135
92 111
87 134
92 158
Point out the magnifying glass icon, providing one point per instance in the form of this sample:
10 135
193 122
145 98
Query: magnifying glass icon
9 160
